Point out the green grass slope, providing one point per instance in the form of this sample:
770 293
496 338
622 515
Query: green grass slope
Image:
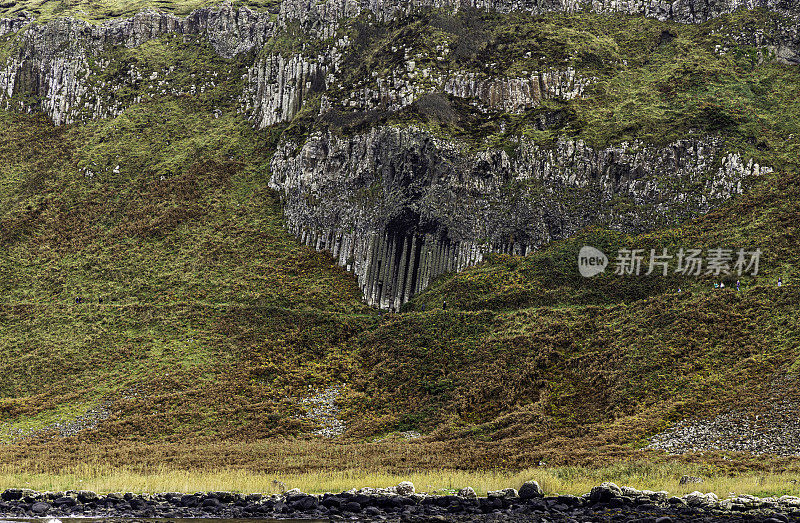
200 284
215 323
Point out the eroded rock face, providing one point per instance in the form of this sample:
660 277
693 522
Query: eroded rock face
12 25
515 95
495 93
277 85
685 11
52 61
400 207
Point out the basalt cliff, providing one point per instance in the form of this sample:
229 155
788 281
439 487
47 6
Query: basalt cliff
417 136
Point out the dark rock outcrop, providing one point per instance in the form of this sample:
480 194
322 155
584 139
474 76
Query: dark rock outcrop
399 207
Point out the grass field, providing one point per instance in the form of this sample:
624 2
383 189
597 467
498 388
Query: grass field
560 480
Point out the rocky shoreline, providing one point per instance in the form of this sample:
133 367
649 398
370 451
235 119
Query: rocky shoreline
606 502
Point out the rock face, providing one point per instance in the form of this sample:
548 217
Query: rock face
52 60
12 25
400 207
277 86
517 94
685 11
513 95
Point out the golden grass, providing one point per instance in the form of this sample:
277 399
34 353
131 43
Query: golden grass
561 480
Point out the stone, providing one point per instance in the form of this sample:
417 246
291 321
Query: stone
405 488
11 494
222 496
40 508
698 499
87 496
630 492
332 501
190 501
506 493
65 501
305 503
530 490
140 504
604 492
468 492
210 503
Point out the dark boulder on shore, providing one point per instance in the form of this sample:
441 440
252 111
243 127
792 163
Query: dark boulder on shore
530 490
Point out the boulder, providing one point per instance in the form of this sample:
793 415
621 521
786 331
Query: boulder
530 490
87 496
211 503
569 500
12 494
506 493
698 499
305 504
468 492
138 504
332 501
190 501
65 501
604 492
631 492
30 496
222 496
405 488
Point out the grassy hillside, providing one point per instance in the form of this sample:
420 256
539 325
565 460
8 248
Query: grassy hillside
146 271
202 289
